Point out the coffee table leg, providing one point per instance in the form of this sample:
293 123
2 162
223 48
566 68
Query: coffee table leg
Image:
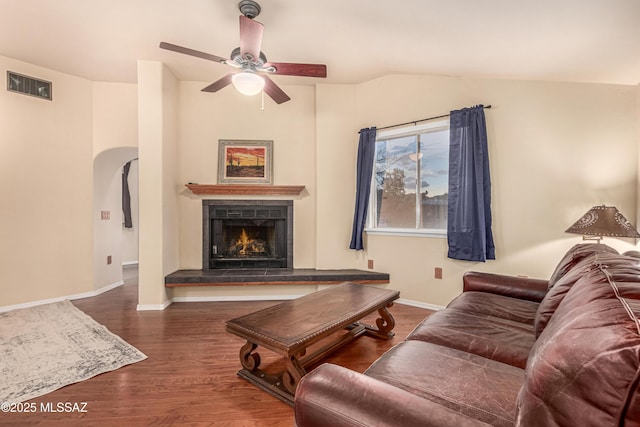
385 323
294 371
249 361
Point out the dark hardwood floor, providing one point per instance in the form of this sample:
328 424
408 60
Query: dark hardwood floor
189 377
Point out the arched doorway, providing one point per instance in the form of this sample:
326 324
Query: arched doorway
113 245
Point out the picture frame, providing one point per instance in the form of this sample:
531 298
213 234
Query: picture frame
245 161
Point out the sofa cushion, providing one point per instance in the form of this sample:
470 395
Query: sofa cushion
574 255
498 339
519 287
480 388
555 295
334 396
585 366
485 303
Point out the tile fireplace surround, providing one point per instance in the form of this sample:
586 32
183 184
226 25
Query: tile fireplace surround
240 234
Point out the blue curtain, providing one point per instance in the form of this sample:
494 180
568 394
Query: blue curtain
366 151
126 196
469 213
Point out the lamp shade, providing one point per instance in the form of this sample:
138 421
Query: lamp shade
603 221
248 83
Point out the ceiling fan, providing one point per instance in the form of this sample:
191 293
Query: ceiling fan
253 68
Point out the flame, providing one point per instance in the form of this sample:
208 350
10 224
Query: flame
243 242
247 246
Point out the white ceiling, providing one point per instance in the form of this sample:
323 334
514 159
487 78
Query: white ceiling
563 40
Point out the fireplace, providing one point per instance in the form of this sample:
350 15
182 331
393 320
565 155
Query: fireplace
246 234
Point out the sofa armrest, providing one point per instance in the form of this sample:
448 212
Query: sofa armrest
509 286
335 396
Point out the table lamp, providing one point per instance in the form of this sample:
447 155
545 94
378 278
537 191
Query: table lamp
600 221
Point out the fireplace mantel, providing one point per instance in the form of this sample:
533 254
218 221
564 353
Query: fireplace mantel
246 189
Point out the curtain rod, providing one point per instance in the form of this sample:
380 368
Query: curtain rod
415 122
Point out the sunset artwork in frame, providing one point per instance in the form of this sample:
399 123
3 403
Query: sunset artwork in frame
245 162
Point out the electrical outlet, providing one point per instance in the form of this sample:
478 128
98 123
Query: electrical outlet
105 215
108 259
438 273
370 264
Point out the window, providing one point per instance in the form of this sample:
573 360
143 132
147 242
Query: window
410 182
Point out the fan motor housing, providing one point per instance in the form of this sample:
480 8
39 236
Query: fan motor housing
249 8
236 57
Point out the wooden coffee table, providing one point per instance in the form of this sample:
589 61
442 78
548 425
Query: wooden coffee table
291 327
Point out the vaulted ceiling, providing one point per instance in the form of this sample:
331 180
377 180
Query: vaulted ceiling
563 40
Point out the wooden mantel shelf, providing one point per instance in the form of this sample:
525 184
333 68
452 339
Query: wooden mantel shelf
247 189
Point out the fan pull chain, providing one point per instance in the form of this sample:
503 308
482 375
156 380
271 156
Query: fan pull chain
262 108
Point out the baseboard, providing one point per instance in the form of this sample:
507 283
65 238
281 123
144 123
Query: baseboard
279 298
154 307
420 304
99 291
163 306
69 297
238 298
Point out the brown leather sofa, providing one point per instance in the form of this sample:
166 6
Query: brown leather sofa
507 351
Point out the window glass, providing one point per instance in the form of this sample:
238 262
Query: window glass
434 179
396 182
411 178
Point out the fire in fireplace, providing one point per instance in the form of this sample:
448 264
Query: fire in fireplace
246 241
249 244
247 234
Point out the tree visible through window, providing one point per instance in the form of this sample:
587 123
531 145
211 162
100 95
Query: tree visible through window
411 178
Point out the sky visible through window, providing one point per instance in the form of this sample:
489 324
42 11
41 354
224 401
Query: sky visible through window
434 169
401 160
401 154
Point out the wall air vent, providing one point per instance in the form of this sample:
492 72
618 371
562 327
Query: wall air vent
28 85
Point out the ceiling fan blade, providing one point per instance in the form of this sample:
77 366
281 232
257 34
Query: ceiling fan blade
218 84
274 91
192 52
305 70
250 37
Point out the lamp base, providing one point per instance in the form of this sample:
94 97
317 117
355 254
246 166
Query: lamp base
597 239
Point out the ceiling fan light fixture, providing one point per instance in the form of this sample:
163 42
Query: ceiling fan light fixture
249 60
248 83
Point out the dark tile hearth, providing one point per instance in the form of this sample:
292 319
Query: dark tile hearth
271 276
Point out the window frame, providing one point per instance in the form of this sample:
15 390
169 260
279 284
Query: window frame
432 126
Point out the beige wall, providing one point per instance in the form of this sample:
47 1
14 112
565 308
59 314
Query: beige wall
157 147
46 158
115 142
115 116
336 153
204 118
638 131
556 149
170 181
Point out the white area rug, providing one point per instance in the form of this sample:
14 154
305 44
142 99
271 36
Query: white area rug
50 346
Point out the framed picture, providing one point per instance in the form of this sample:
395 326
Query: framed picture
245 162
